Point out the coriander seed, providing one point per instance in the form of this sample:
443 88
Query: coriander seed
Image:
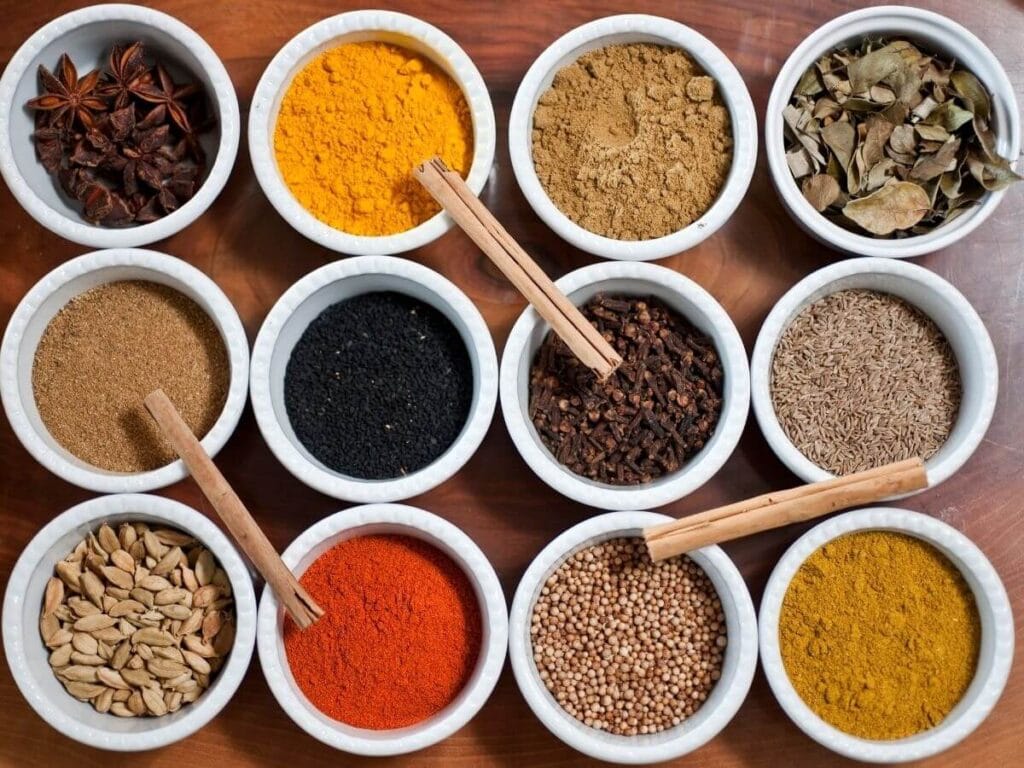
625 645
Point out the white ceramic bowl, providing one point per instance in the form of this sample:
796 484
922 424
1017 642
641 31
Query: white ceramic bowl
303 303
27 657
634 28
352 27
399 519
48 297
86 36
944 304
994 660
937 34
689 300
727 695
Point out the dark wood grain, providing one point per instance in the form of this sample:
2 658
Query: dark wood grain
254 256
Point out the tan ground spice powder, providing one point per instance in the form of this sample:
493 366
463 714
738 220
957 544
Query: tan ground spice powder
632 141
110 347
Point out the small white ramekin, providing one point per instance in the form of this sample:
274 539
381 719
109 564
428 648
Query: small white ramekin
353 27
634 28
694 304
994 660
48 297
727 695
301 304
937 34
27 657
936 298
397 519
86 36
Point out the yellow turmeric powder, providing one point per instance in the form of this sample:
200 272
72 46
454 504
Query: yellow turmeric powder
355 122
879 634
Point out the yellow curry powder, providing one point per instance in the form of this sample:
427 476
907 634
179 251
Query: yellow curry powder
355 122
879 634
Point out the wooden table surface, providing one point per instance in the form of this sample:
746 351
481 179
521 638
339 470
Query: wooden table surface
254 256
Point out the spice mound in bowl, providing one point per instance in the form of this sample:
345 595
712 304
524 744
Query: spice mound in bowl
658 409
632 141
879 634
122 140
400 637
378 386
105 350
861 378
888 140
353 124
625 645
138 621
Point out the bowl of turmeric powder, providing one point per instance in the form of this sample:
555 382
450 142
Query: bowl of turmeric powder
347 109
886 635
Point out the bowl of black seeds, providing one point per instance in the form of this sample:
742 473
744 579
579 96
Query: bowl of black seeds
374 379
662 424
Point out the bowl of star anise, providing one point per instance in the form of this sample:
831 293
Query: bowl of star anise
119 126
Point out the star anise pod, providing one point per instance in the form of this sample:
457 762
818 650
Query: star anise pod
49 141
171 96
67 97
128 72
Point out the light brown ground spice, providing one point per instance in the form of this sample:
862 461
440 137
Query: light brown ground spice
625 645
106 350
632 141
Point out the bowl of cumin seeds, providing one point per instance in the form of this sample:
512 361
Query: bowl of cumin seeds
869 361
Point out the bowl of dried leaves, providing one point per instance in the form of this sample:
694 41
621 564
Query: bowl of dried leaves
893 132
120 126
129 622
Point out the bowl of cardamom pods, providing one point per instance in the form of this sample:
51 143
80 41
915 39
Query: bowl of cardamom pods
129 622
892 132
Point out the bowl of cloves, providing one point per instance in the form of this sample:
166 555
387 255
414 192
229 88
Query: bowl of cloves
662 423
119 126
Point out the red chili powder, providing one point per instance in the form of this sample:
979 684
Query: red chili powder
400 634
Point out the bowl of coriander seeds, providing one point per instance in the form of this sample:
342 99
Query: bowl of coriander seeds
892 131
869 361
129 622
633 137
627 660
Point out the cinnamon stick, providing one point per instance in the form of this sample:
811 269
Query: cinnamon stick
582 338
302 608
779 508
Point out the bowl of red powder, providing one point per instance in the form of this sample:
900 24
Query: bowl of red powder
413 637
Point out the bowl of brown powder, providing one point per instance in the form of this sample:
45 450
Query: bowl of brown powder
633 137
869 361
92 338
626 660
663 424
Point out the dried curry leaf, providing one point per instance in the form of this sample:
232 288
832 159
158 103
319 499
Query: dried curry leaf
972 92
821 190
993 175
949 116
871 69
931 166
899 205
841 138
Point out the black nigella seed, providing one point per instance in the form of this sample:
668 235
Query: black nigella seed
378 386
